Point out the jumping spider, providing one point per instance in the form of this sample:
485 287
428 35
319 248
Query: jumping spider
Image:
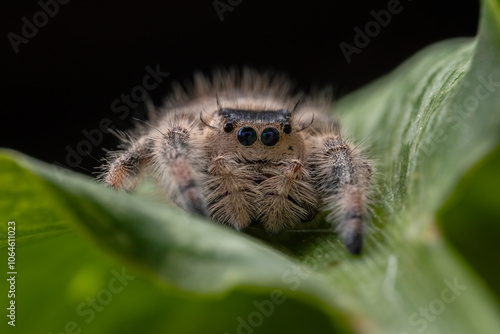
242 148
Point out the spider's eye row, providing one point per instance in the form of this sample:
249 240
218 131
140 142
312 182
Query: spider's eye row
270 136
287 128
247 136
228 127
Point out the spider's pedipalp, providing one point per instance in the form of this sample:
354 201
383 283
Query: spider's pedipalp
288 197
232 193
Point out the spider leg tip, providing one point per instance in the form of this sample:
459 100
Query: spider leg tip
353 236
354 244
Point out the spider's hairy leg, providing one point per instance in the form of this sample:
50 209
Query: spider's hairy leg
342 176
232 192
124 170
175 166
288 197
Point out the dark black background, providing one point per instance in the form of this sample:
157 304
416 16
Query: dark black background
65 79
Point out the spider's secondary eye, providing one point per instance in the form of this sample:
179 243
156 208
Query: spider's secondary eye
270 136
247 136
228 127
287 128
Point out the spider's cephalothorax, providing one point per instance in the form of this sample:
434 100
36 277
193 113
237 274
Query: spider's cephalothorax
241 148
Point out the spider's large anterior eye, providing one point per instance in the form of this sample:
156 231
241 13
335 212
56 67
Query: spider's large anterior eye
228 127
270 136
247 136
287 128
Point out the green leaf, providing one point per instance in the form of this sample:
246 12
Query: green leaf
429 125
476 200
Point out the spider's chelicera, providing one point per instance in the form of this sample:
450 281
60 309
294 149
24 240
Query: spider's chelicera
241 148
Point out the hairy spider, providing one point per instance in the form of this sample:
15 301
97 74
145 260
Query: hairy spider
242 148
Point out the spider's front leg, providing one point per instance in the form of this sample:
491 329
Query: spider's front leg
342 176
168 156
124 169
176 163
